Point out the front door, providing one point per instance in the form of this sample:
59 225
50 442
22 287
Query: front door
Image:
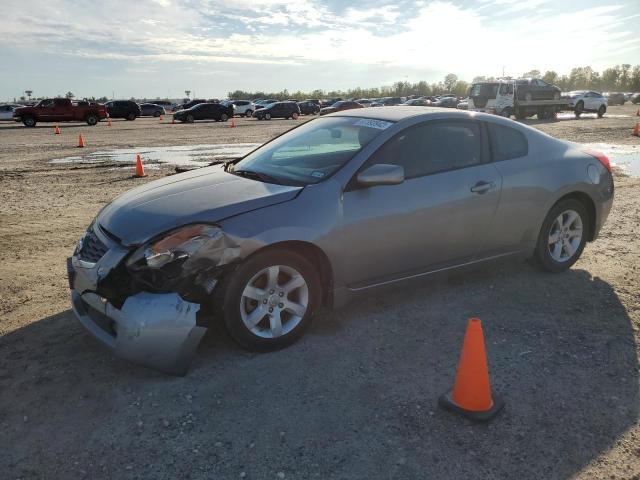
439 216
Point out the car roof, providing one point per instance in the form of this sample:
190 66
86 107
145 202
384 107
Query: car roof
394 114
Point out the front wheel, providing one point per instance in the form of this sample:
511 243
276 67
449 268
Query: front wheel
29 122
563 236
248 113
224 117
156 113
131 116
601 111
579 109
269 300
506 112
189 119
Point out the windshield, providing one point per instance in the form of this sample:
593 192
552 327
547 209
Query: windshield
313 151
489 90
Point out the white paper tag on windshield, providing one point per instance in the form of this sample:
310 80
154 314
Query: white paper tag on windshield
371 123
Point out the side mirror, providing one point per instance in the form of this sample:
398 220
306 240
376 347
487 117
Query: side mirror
381 174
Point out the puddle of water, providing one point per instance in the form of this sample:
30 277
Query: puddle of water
185 155
625 157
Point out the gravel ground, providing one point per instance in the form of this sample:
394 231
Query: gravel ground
356 397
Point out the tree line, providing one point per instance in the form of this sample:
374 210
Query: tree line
623 78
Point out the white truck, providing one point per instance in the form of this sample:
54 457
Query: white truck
522 98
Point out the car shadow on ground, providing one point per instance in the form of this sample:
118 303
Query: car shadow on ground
355 398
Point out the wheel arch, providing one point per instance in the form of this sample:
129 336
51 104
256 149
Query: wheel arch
589 206
313 254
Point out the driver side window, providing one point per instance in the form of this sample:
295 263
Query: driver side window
433 147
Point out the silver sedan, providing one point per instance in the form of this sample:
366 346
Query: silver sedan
344 204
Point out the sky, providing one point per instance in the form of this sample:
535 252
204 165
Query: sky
160 48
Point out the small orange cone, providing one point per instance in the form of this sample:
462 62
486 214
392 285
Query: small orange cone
636 130
161 118
56 130
80 141
233 123
139 167
108 122
471 395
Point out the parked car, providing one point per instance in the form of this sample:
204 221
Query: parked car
6 112
416 102
463 104
191 103
264 103
220 112
243 107
344 204
278 110
309 108
340 106
60 110
446 102
313 100
151 110
126 109
389 101
635 98
535 89
329 102
615 98
587 101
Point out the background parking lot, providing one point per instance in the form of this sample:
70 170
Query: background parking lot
356 397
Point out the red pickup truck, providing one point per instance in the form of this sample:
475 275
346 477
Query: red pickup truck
60 110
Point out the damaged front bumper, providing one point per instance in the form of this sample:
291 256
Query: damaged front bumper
157 330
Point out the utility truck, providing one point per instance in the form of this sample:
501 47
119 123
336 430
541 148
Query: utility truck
522 98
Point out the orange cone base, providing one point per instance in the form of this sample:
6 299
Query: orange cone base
447 403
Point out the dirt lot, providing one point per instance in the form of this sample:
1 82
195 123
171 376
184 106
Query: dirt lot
356 398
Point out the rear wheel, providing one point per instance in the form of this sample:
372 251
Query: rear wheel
29 121
267 116
248 113
92 119
579 108
189 118
269 300
224 117
601 111
563 236
156 113
131 116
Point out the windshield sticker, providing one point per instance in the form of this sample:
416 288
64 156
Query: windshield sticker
317 174
368 122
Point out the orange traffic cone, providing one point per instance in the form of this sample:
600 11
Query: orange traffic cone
139 167
80 141
108 122
471 395
56 130
233 123
636 130
161 118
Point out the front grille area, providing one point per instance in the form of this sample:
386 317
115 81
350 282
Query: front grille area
92 248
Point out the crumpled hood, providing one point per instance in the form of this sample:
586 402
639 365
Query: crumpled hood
204 195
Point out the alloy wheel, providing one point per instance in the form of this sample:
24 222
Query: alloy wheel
565 236
274 301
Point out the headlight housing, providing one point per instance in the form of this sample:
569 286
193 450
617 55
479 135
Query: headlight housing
175 248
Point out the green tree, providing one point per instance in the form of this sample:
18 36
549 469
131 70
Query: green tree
450 81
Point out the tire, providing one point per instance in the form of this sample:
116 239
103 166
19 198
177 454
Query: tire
29 122
506 112
570 246
295 116
248 113
601 111
579 108
267 116
131 116
224 117
189 118
92 119
542 113
250 310
156 113
521 114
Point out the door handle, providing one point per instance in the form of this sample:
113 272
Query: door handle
482 187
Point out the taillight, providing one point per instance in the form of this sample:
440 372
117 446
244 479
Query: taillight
604 160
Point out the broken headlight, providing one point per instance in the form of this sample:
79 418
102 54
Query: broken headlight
174 249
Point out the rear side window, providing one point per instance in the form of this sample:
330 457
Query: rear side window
507 142
432 148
